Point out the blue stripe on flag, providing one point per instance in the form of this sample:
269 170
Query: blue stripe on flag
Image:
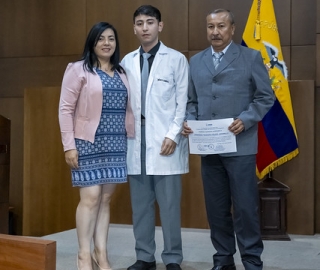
279 131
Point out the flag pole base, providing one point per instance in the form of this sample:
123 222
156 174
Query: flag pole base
272 194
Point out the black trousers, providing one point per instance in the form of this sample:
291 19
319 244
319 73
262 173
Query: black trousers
231 196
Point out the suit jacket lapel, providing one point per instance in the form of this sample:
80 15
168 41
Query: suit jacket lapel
231 54
207 57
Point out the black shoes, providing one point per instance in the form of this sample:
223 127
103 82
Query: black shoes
224 267
142 265
173 266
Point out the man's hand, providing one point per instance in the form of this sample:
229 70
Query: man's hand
168 146
71 157
186 130
236 126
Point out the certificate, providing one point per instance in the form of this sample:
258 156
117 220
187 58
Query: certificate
211 137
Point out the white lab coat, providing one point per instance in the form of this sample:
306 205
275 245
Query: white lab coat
166 100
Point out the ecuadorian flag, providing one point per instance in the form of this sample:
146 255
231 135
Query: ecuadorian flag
277 135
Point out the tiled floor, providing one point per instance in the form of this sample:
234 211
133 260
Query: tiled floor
301 253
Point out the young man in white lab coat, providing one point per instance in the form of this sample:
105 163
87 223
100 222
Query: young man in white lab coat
158 154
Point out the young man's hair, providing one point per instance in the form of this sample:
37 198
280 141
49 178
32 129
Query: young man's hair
147 10
220 10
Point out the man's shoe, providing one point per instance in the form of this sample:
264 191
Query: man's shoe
142 265
173 266
224 267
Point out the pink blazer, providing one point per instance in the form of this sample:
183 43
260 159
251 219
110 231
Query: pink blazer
80 105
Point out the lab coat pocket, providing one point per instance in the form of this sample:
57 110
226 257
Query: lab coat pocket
163 86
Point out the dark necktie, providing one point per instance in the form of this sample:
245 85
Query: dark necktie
217 58
144 81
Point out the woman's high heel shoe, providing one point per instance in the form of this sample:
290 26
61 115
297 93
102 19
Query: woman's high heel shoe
78 262
95 264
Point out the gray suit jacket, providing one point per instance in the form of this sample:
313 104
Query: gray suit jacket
239 88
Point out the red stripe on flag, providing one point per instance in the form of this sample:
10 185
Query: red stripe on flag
265 155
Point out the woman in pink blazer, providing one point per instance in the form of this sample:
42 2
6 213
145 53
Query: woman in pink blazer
95 120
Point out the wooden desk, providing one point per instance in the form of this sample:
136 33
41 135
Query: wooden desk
26 253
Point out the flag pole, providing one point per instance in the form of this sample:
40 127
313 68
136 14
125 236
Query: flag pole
257 30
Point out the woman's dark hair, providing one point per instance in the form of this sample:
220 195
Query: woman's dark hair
90 58
147 10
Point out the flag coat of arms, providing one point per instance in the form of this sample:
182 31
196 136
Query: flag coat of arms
277 135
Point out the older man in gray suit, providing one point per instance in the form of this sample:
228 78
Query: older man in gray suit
234 84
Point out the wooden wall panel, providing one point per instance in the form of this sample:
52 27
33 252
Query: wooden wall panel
317 122
303 21
193 211
286 52
317 160
298 173
41 28
66 29
12 108
197 25
282 10
174 34
120 206
49 201
5 130
303 62
317 56
16 74
318 17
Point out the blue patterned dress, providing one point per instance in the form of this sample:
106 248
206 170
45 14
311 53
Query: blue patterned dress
104 161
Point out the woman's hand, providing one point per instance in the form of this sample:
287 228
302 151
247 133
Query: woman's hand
71 157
